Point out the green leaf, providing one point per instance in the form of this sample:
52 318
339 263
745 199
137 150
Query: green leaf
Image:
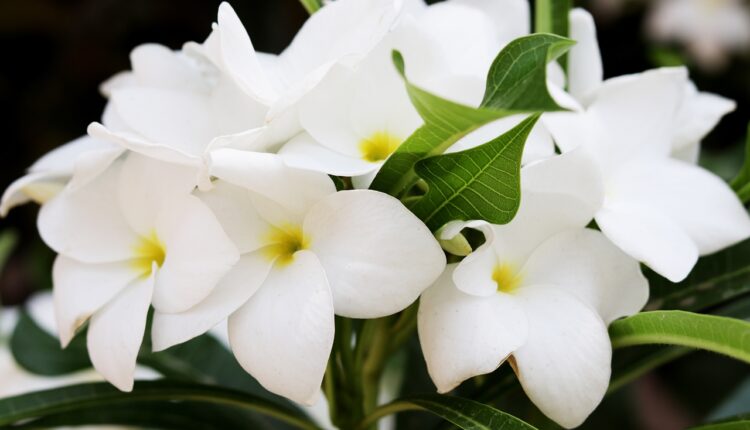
311 6
464 413
551 16
38 352
478 183
516 84
715 279
8 240
741 422
87 397
723 335
741 183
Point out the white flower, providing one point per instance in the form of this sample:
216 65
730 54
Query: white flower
131 237
710 29
307 252
662 211
539 292
83 158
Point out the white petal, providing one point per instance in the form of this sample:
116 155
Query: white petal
463 336
38 187
138 144
283 335
116 331
235 209
473 275
698 201
538 145
304 152
585 72
649 237
91 164
178 119
62 159
87 224
158 66
509 17
267 175
198 254
377 255
80 289
239 57
230 293
564 366
699 115
145 185
583 262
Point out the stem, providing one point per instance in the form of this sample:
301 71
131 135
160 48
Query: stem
384 411
311 6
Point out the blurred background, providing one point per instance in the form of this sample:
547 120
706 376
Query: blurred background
57 52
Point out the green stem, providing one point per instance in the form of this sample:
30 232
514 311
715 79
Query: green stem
311 6
384 411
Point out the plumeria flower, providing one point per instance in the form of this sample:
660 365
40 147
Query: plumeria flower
308 252
82 159
698 113
662 211
538 293
710 29
131 237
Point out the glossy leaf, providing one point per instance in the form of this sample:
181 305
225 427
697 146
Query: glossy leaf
715 279
464 413
723 335
516 84
478 183
87 397
741 183
741 422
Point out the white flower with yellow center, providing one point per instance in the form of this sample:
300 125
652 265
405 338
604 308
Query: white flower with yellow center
539 293
131 237
308 252
661 210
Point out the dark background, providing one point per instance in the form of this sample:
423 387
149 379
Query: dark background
56 53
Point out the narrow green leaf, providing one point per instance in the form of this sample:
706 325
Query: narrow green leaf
38 352
311 6
8 240
478 183
464 413
741 183
516 84
716 278
741 422
723 335
551 16
85 397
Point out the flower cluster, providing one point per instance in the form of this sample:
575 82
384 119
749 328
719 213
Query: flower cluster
205 194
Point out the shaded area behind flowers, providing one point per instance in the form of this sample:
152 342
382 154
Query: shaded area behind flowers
56 53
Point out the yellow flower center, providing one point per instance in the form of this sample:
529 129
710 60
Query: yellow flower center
149 250
506 278
284 242
378 146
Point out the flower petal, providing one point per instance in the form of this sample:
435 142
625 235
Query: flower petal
230 293
116 332
585 71
145 185
87 224
583 262
699 115
283 335
198 254
693 198
303 152
267 175
377 255
38 187
473 275
81 289
564 366
462 335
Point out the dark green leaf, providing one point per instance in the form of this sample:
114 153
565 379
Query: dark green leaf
723 335
38 352
8 239
464 413
741 422
478 183
715 279
87 397
741 183
516 84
